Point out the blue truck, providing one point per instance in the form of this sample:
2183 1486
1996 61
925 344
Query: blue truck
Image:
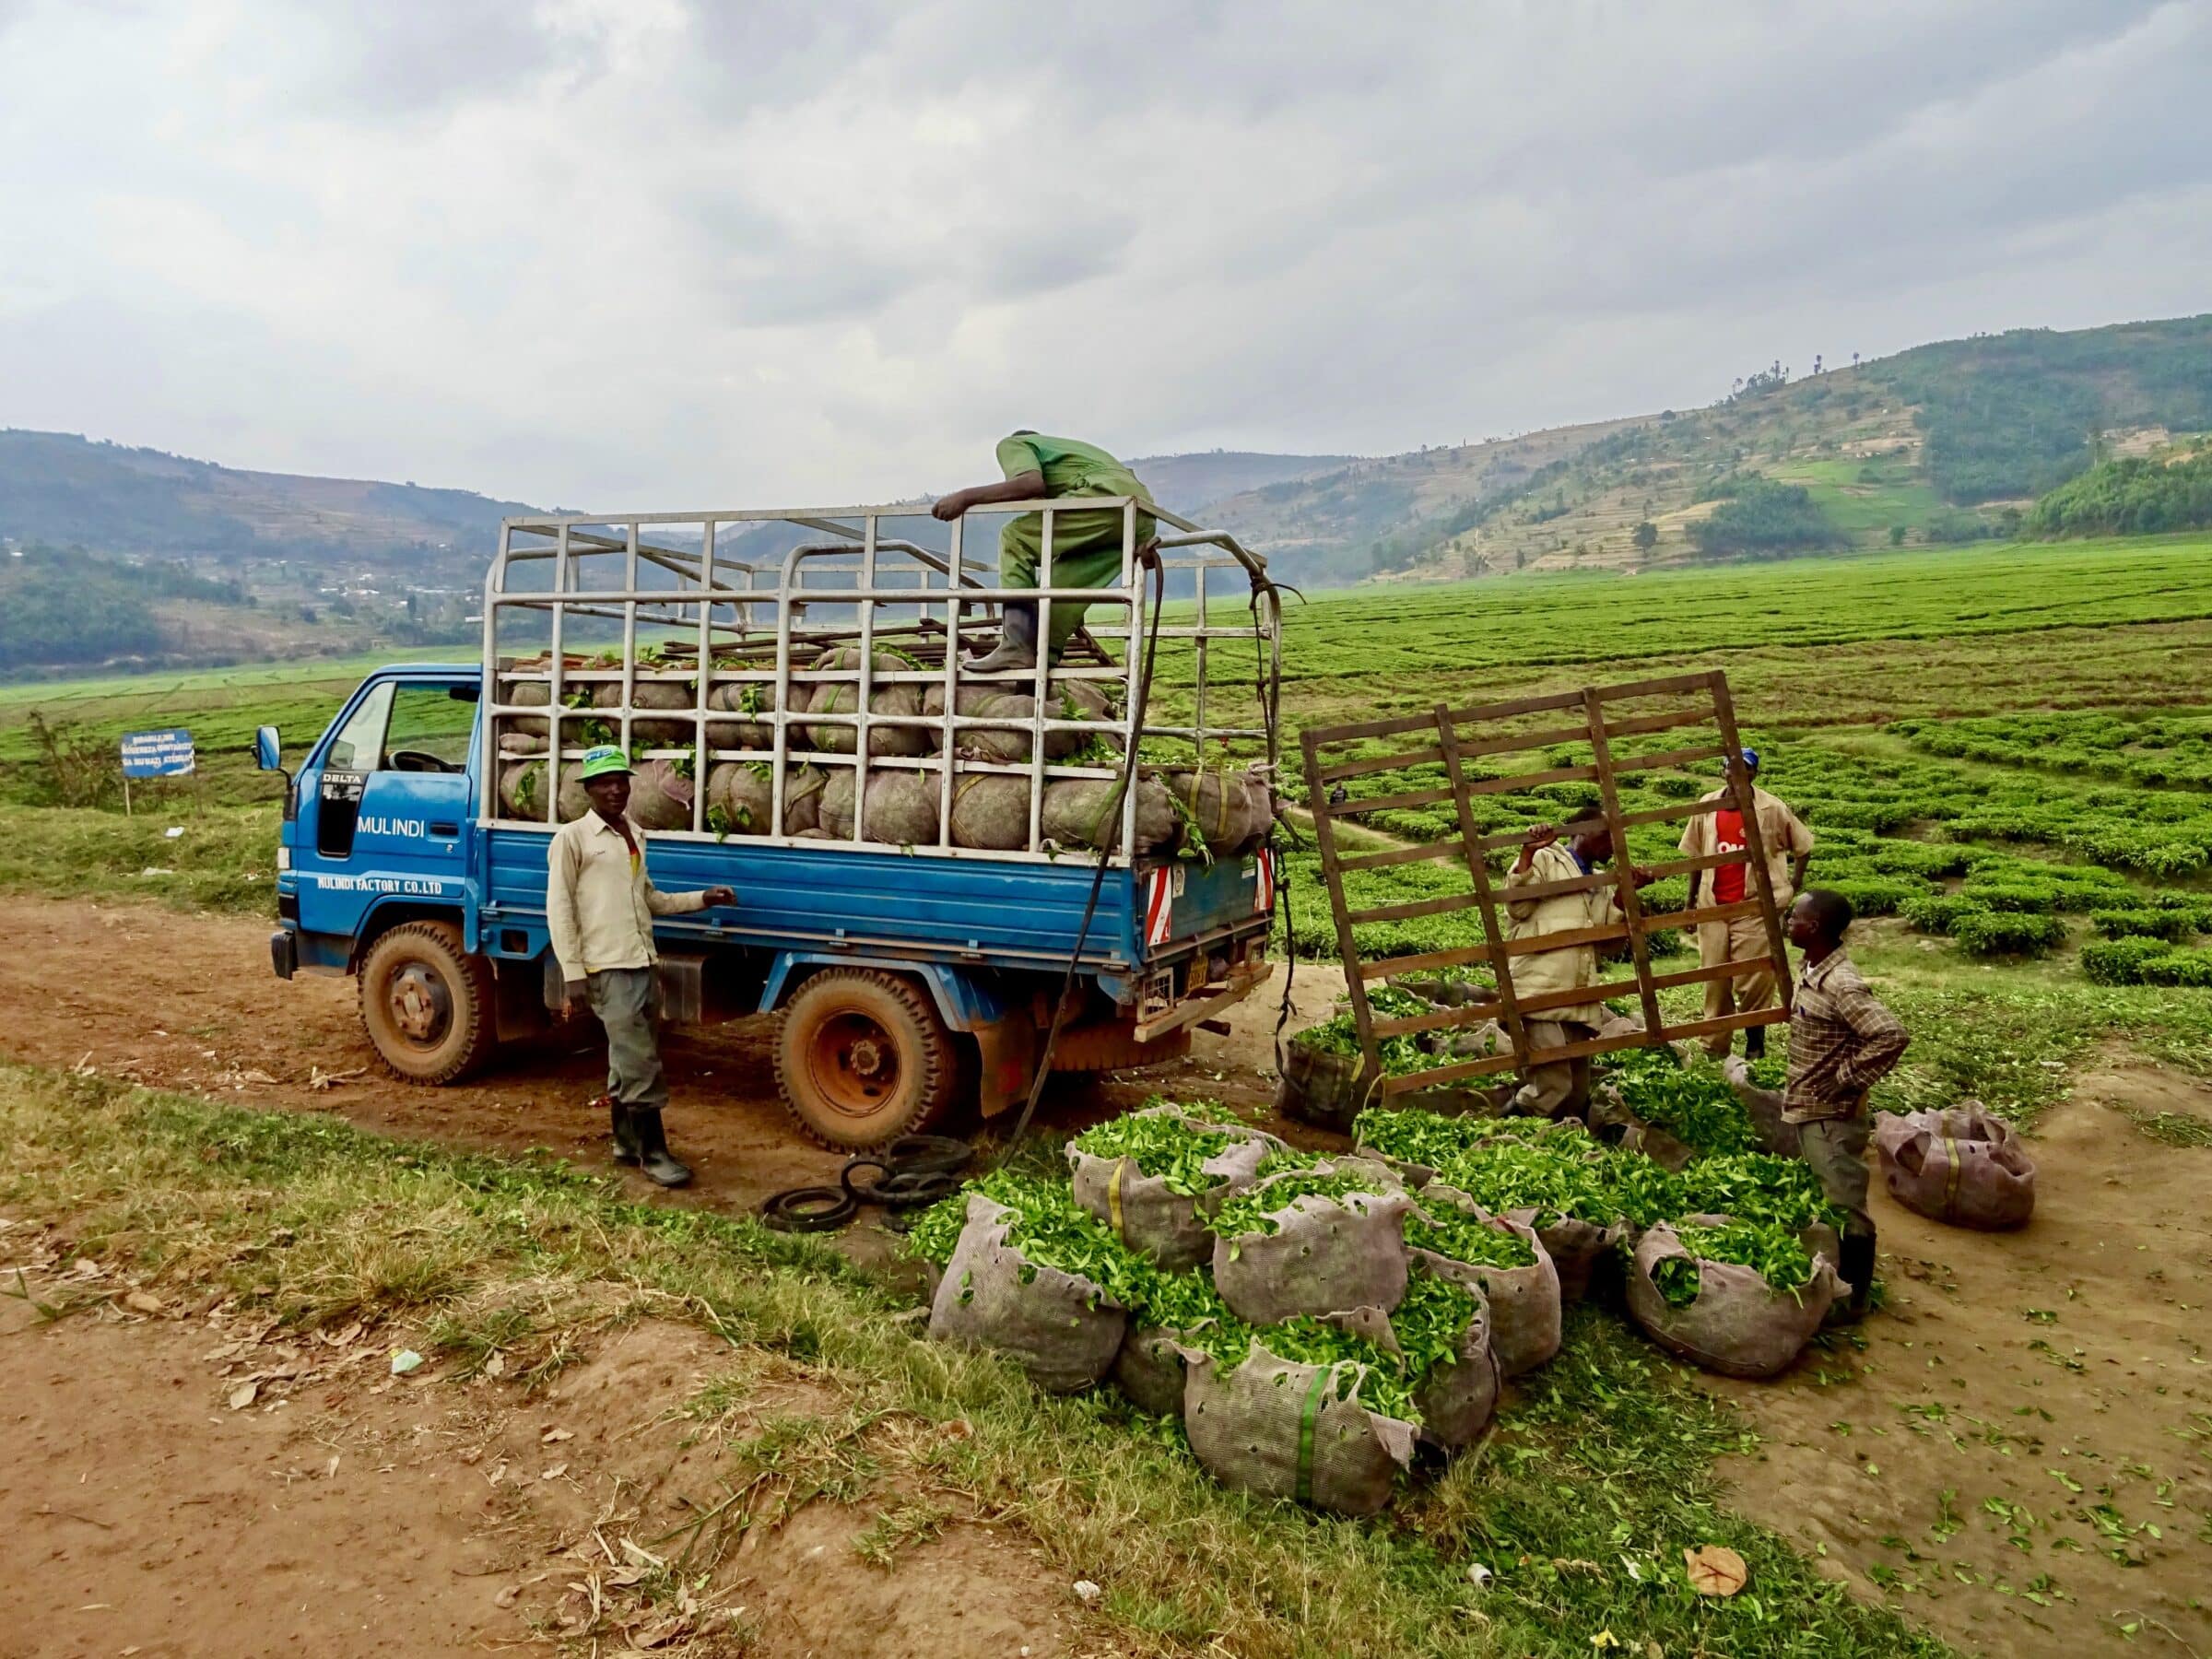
919 852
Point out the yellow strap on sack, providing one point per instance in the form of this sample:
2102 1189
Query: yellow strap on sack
1113 1197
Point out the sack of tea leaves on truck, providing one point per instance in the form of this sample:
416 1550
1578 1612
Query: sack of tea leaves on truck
1059 1326
1322 1239
991 812
1085 814
523 693
661 792
1506 1259
647 731
901 807
1734 1297
740 797
523 791
1009 744
1961 1165
1229 813
1158 1176
748 696
843 697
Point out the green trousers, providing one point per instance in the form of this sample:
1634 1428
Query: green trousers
1087 552
628 1001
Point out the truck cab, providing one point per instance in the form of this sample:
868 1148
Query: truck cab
911 977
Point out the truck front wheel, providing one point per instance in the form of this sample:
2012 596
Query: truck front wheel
861 1057
428 1006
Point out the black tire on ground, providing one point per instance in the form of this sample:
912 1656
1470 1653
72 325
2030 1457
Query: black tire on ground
428 1005
861 1057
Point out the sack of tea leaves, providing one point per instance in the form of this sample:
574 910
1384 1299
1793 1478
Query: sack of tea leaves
522 792
521 743
1216 806
1323 1240
1086 814
530 694
1457 1396
1736 1299
1285 1429
1058 1326
740 797
1259 812
1179 1311
646 731
843 697
1065 699
1158 1176
660 794
1959 1165
1507 1259
748 696
990 812
901 807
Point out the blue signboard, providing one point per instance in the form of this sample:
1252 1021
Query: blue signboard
157 754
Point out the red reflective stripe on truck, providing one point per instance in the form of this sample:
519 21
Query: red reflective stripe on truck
1159 910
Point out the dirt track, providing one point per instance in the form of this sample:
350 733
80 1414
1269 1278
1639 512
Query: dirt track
187 1002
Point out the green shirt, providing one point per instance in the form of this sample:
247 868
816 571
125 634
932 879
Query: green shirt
1071 468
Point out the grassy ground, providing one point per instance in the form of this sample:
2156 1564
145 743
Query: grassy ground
1579 1510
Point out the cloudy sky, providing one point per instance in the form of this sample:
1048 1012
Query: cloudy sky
644 253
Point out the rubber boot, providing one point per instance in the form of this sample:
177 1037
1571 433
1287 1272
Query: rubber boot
659 1164
1857 1268
1017 640
1755 1043
626 1134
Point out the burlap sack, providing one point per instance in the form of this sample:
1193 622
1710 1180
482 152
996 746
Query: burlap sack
1259 813
991 812
646 731
746 697
1739 1325
1575 1247
522 792
1324 1088
1066 699
1059 1327
1325 1255
1275 1428
1960 1165
903 806
1171 1228
1457 1400
660 796
832 697
1150 1370
1086 814
744 790
1217 805
1525 1316
524 693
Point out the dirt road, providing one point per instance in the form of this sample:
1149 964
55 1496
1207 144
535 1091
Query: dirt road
187 1002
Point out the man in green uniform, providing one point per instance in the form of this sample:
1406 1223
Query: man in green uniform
1087 545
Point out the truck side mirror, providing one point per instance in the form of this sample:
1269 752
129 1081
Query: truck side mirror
268 749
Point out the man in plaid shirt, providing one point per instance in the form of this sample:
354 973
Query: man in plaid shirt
1842 1042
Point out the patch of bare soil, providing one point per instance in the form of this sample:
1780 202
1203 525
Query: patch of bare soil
2021 1458
179 1482
187 1002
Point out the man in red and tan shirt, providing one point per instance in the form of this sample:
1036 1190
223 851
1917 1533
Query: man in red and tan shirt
1789 848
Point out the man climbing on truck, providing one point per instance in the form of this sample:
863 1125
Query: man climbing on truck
1087 545
599 906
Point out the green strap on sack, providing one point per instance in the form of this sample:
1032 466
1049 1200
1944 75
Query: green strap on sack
1950 1184
1308 1415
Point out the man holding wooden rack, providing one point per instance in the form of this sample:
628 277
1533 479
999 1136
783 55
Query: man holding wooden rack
1788 849
1550 859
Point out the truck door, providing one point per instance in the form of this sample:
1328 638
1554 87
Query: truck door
385 814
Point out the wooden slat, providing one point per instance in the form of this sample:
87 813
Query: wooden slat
1681 809
1325 838
1553 889
1566 939
1690 866
1436 1076
1509 743
1486 712
1475 1013
1459 956
1440 850
1658 722
1375 763
1420 797
1558 774
1493 1063
1673 921
1674 685
1328 736
1413 908
1436 1019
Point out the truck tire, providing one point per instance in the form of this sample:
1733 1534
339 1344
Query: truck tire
430 1009
862 1058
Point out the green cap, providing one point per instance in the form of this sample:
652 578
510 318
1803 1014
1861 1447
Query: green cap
600 761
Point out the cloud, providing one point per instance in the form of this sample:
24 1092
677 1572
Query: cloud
667 251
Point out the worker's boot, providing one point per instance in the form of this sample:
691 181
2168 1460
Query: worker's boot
659 1164
1857 1268
626 1136
1755 1043
1017 640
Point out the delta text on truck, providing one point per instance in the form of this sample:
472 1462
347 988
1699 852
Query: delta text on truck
915 849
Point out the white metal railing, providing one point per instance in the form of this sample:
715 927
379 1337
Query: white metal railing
748 623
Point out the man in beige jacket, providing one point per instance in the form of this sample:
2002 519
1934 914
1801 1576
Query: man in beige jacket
1548 856
1789 848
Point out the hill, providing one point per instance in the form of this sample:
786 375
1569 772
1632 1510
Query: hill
1941 443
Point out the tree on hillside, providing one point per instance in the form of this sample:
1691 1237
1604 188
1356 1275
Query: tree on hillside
1646 536
1763 519
2139 496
